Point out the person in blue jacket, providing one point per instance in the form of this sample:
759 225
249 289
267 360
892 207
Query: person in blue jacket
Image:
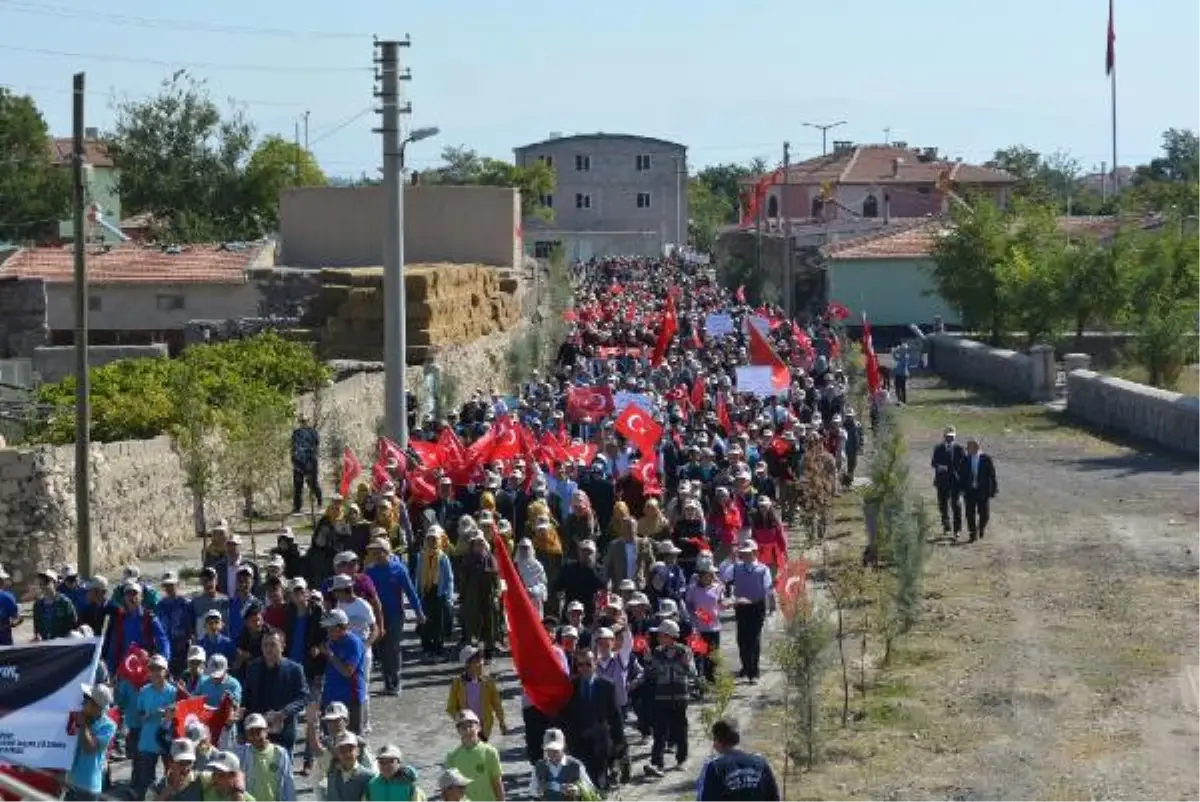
175 613
392 583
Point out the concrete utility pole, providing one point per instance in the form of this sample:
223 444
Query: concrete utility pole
394 319
824 129
789 294
306 115
83 412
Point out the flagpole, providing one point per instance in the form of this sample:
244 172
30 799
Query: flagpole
1113 98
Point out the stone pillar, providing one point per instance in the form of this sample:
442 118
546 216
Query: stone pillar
1074 362
1043 373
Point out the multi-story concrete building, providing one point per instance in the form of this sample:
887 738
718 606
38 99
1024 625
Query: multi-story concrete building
616 194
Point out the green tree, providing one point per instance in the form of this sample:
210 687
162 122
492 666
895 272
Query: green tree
1029 276
1094 281
966 260
255 447
182 161
276 165
1164 305
462 165
195 437
35 193
1169 183
724 183
709 211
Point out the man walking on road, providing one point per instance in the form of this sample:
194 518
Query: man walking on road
977 477
948 458
733 774
305 445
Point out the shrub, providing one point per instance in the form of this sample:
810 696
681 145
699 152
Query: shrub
135 399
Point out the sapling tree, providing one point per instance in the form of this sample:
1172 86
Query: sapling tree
195 438
802 653
255 449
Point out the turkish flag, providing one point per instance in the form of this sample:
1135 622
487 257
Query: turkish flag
870 358
646 472
542 677
135 667
698 644
350 469
666 332
194 708
761 353
837 311
422 487
698 394
591 402
430 454
791 587
389 453
640 429
507 444
723 415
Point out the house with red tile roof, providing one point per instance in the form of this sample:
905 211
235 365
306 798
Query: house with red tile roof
876 181
139 295
102 185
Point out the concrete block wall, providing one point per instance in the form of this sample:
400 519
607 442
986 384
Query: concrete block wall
22 317
54 363
1022 377
140 505
1164 418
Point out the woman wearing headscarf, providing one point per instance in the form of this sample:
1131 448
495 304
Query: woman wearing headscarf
435 583
653 524
533 575
331 529
480 594
549 550
766 527
704 605
726 522
622 522
581 524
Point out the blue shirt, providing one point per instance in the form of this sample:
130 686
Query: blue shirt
213 690
233 627
176 616
351 650
77 595
218 644
149 702
391 578
8 611
87 769
297 644
133 630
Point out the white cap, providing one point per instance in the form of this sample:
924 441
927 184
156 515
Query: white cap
255 721
390 752
218 666
48 573
225 763
212 614
170 578
347 738
335 618
335 711
575 606
158 661
342 582
465 716
452 778
183 750
97 583
669 628
569 632
196 652
468 653
555 740
299 583
101 694
604 632
276 562
345 557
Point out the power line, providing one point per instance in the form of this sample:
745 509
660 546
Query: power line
175 65
336 127
184 26
26 89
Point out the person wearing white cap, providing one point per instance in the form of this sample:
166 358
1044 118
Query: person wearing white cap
181 780
668 676
175 613
334 720
268 766
559 775
190 679
347 778
54 616
227 781
218 683
96 730
393 584
751 581
476 759
345 667
153 711
453 785
208 599
395 780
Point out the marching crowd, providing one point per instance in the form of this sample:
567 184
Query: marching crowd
633 497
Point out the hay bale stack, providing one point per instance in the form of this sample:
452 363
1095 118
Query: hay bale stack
446 305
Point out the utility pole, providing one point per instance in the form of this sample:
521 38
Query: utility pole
824 129
306 114
394 319
296 153
1103 180
83 412
887 135
789 294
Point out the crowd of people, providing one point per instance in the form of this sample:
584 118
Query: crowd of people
644 501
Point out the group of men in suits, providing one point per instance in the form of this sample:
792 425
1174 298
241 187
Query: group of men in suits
963 477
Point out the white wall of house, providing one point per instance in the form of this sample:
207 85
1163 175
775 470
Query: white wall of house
151 306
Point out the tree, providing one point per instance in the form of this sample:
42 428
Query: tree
276 165
724 183
1029 276
255 447
709 211
1053 179
1169 182
182 162
1164 306
35 193
966 260
195 437
463 166
1093 281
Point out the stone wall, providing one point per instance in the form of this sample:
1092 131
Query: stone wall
140 506
1023 377
54 363
22 317
1161 417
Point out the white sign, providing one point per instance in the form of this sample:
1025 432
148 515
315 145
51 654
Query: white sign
718 325
625 398
39 692
756 380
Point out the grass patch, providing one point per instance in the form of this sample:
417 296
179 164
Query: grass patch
1188 382
972 412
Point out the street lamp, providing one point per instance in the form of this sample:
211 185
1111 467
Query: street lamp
396 311
824 129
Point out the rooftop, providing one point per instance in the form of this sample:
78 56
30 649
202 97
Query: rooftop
95 153
877 164
128 263
599 135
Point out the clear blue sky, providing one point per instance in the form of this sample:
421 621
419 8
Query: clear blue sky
730 80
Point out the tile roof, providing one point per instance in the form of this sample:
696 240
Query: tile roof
916 241
134 264
95 152
876 164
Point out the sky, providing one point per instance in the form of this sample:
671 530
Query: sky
732 81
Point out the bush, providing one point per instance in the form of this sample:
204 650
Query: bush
135 399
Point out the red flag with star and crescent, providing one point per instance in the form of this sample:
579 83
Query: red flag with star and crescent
591 402
639 428
666 332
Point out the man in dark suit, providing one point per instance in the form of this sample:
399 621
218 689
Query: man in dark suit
948 457
592 720
227 568
275 688
977 478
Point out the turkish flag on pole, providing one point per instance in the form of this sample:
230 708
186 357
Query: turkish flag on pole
870 358
388 453
350 469
837 311
761 353
697 399
541 674
666 332
592 402
1110 57
194 708
640 429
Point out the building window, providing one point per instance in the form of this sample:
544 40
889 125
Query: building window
170 303
583 200
543 249
547 201
818 207
870 207
546 160
583 163
772 206
642 162
643 200
93 303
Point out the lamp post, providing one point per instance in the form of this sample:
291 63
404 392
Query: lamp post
824 129
416 135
